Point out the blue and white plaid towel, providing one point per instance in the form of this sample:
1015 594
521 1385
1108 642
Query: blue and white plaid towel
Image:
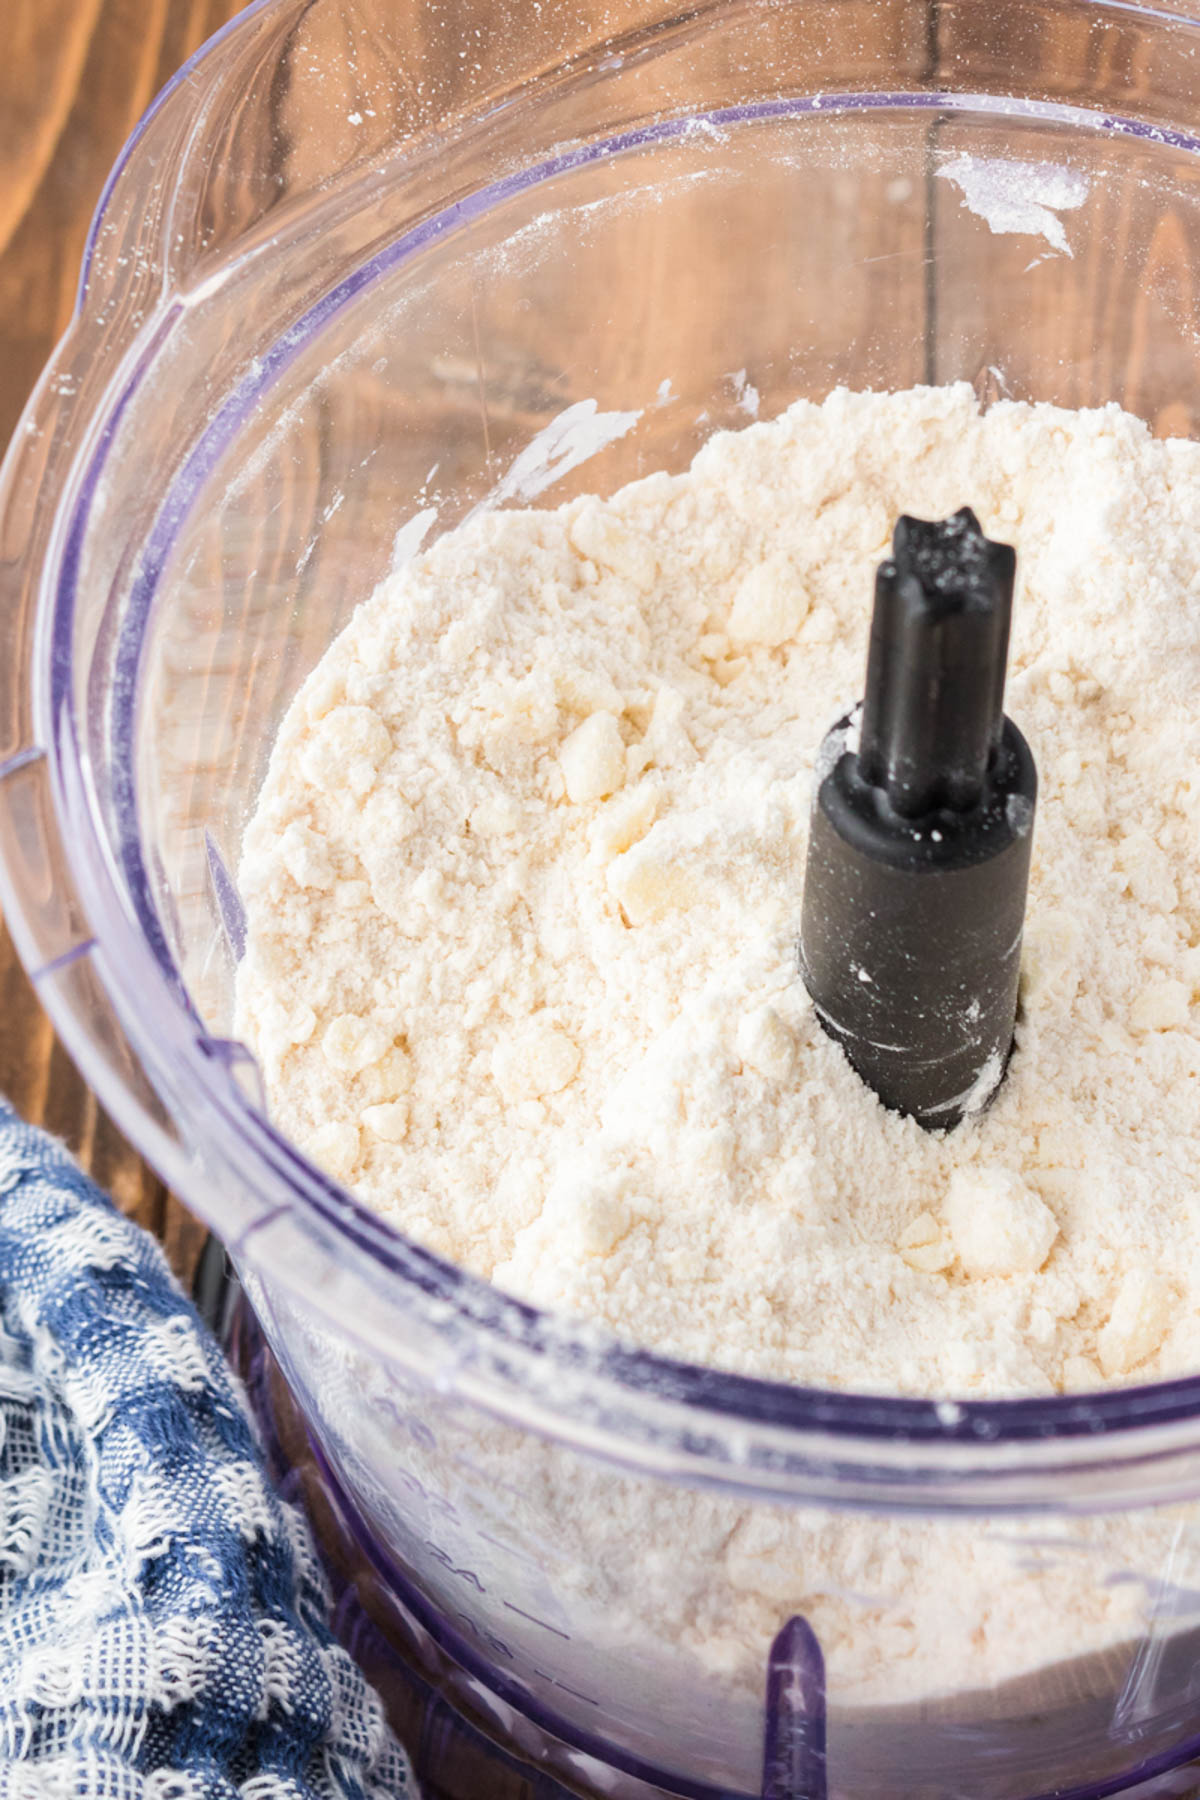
162 1615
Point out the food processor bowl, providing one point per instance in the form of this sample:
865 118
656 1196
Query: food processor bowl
364 269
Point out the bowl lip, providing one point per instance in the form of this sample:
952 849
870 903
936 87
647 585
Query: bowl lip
181 78
139 977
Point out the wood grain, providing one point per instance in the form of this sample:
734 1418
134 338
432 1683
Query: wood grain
75 77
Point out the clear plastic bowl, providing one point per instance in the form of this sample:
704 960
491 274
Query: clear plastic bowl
354 263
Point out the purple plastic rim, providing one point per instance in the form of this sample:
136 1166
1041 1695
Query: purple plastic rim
253 1359
122 944
403 1588
797 1642
810 1761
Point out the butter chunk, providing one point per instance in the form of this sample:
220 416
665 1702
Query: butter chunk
924 1244
388 1078
593 759
770 605
284 1026
1161 1006
388 1121
648 882
1137 1324
667 742
351 1044
999 1226
498 815
536 1057
624 822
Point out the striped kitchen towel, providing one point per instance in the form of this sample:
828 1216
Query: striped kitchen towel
163 1628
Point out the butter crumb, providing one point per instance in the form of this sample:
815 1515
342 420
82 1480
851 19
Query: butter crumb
1161 1006
593 759
535 1058
351 1044
1137 1323
999 1226
924 1244
769 606
388 1122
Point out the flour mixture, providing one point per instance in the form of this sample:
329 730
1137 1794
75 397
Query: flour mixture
524 881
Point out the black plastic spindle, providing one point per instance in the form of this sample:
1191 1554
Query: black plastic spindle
918 861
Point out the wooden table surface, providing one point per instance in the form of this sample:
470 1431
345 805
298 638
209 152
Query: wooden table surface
74 79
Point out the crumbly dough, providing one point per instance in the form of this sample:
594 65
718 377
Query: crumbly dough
522 891
524 878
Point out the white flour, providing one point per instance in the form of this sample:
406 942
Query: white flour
523 888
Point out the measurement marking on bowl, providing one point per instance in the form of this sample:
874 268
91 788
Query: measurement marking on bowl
496 1644
564 1635
545 1675
567 1689
440 1556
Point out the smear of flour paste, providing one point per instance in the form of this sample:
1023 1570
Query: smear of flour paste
568 440
411 536
746 393
1021 197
